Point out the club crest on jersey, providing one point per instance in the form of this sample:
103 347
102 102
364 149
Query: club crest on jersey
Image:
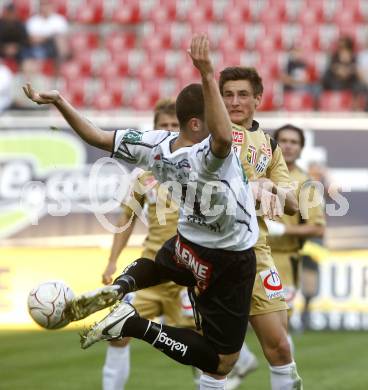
238 137
266 150
272 283
132 136
251 154
262 163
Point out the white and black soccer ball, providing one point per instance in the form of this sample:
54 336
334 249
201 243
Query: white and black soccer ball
47 302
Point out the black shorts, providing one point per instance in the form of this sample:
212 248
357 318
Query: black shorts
224 281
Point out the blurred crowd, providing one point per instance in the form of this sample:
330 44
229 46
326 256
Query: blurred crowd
24 47
42 40
346 71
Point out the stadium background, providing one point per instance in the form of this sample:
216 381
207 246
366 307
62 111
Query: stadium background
125 55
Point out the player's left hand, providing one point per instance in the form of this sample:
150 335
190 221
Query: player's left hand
200 53
48 97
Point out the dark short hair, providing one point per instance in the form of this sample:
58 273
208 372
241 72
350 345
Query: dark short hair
234 73
190 104
164 106
298 130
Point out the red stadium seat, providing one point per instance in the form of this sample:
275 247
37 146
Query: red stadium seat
76 91
70 70
24 8
335 101
298 101
127 13
268 101
199 16
104 100
164 13
83 40
236 16
114 69
91 12
236 40
84 59
272 15
119 41
62 7
143 101
309 16
157 42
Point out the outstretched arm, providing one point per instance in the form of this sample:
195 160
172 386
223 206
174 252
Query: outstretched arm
84 128
216 116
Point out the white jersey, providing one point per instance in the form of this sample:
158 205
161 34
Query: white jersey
217 207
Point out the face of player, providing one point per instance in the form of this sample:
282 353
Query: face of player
240 101
167 122
289 142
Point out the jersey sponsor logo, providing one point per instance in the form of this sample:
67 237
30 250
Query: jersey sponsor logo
238 137
133 136
198 220
200 269
177 164
272 283
174 345
251 154
262 163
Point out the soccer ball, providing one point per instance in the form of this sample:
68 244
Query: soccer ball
46 304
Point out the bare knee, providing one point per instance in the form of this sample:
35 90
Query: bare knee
226 363
278 351
120 343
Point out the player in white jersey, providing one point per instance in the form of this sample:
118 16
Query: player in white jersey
212 252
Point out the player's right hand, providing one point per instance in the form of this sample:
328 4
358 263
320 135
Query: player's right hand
200 53
48 97
108 273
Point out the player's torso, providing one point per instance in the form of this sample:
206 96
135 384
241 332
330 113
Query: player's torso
203 192
255 152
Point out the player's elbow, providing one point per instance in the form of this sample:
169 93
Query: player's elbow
318 231
221 146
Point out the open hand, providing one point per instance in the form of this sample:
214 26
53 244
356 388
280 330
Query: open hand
199 52
48 97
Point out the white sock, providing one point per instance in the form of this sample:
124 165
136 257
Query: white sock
208 383
244 356
116 369
285 377
291 343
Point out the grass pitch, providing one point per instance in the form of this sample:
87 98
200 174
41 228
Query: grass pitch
45 360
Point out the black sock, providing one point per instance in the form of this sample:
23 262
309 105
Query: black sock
142 273
183 345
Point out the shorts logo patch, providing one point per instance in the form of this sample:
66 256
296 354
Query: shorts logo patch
201 269
251 154
272 283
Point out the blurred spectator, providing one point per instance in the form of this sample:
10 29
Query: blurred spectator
298 75
13 34
341 73
47 31
362 64
6 87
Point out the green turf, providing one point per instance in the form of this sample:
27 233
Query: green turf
53 360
